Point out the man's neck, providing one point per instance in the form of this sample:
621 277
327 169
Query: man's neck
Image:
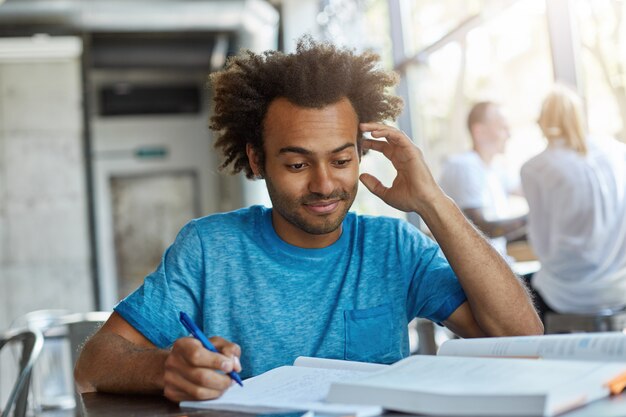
295 236
485 155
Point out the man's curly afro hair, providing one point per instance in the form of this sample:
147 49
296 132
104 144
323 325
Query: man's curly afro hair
316 75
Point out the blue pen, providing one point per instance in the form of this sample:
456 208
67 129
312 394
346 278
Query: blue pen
195 331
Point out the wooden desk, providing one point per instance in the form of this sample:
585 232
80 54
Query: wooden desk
109 405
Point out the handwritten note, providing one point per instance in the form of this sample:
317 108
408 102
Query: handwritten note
288 388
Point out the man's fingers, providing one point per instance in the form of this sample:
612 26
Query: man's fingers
375 145
237 363
373 184
188 391
391 134
200 383
179 370
184 378
229 349
196 355
370 126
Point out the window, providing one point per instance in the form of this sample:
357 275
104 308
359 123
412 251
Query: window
602 57
500 54
431 20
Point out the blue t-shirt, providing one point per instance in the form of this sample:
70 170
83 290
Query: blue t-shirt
351 300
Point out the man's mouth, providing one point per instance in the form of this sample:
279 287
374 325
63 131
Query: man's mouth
322 207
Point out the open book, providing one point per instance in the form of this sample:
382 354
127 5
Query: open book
457 382
606 346
303 386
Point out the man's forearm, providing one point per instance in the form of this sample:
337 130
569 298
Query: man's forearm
499 301
121 367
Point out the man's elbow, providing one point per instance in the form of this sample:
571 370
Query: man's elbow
82 371
82 382
535 328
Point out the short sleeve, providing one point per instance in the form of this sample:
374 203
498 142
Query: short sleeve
434 290
176 285
464 183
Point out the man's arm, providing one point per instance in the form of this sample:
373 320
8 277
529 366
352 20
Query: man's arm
120 359
498 303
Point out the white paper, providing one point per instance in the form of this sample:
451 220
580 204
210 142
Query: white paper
288 388
607 346
337 364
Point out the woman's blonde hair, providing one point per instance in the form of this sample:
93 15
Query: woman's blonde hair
562 117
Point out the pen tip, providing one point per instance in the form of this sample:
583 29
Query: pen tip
236 378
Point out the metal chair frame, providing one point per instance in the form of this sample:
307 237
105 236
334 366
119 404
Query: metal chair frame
602 321
32 343
74 328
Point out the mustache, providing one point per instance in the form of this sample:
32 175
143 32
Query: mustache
316 197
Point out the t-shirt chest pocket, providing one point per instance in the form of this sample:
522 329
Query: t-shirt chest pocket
369 335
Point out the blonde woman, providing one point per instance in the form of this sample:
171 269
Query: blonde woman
576 191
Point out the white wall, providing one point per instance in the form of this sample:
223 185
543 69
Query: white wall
44 246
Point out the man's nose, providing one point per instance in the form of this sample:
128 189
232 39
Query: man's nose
322 181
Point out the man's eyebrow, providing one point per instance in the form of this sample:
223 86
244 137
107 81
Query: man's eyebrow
294 149
303 151
342 147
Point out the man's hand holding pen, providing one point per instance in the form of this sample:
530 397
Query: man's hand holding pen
193 372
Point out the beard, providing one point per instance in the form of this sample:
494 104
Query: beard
290 208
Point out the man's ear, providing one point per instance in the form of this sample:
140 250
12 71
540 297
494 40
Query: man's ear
253 160
478 132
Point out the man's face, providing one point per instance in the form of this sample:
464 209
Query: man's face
495 130
311 169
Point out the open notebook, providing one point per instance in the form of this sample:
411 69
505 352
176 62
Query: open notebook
303 386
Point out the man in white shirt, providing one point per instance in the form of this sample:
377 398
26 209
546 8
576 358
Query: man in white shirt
576 192
477 185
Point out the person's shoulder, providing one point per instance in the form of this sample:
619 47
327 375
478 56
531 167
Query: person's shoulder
375 220
384 225
530 162
393 236
606 145
536 163
554 168
462 159
463 178
460 167
230 220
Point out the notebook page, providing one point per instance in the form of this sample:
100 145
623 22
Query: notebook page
288 388
337 364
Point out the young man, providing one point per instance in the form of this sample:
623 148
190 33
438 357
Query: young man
305 277
476 185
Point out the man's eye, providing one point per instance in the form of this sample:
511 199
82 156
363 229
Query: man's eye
297 166
342 162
